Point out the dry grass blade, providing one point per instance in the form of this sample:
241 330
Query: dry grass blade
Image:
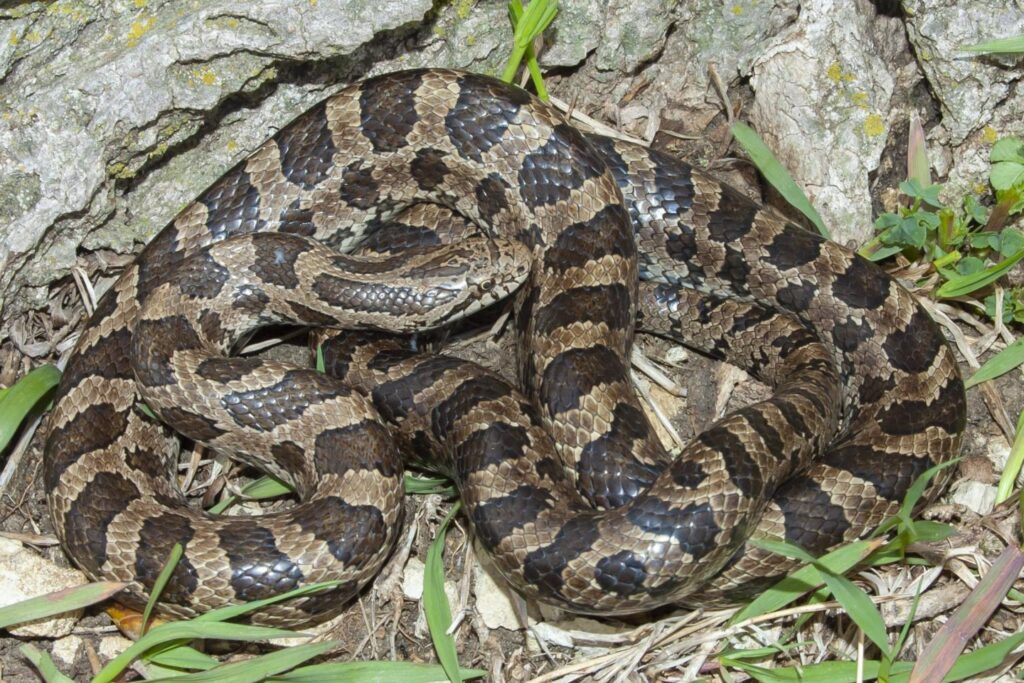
942 652
917 154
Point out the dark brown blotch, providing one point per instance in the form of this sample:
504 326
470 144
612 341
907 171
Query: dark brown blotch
914 348
428 168
102 499
226 370
491 197
108 358
609 304
849 334
201 277
284 401
796 296
358 186
462 399
387 110
258 568
305 315
947 412
154 344
211 326
160 258
543 567
862 285
607 233
156 540
232 206
306 150
152 463
481 115
296 220
362 446
551 173
693 527
732 219
687 474
276 255
497 518
97 427
354 534
291 457
891 474
490 447
398 398
812 520
744 473
735 270
793 247
609 477
574 373
193 425
622 574
249 299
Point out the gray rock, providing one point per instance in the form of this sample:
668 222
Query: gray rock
97 94
25 575
822 104
969 88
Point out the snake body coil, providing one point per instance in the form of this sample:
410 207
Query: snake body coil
566 484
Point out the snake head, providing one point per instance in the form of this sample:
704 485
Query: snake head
473 274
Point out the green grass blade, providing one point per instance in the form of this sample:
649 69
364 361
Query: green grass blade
257 489
44 665
232 611
183 657
901 639
435 601
1001 363
939 655
774 172
186 631
158 586
373 672
1014 463
24 396
856 602
965 284
528 23
1006 46
259 668
860 608
805 579
58 602
425 485
903 518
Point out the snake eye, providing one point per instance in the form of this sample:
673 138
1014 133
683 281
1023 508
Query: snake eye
486 285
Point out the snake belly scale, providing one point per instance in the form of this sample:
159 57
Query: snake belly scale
601 519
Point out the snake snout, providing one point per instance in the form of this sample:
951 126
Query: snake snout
499 268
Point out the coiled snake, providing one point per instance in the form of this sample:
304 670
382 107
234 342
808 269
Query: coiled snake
565 484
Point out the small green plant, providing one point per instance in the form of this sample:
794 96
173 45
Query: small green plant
527 25
969 245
